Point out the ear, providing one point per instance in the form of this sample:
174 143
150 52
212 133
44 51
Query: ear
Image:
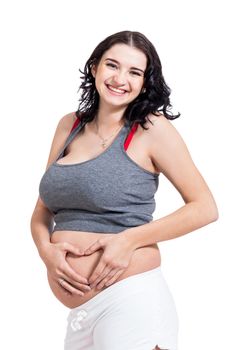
93 70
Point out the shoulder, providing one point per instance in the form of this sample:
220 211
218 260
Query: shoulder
166 145
62 131
157 123
66 122
162 132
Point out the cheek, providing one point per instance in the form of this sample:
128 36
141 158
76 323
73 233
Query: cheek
100 81
137 88
137 85
102 75
99 84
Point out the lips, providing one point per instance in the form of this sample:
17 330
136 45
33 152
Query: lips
116 90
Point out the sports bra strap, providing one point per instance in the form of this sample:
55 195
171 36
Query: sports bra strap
77 121
130 135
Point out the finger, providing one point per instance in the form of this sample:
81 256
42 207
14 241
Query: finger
77 285
114 278
72 249
66 292
103 275
101 270
94 247
73 275
69 288
111 274
60 283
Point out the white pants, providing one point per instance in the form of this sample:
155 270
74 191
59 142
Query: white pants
136 313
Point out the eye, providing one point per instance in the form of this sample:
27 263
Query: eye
111 65
136 73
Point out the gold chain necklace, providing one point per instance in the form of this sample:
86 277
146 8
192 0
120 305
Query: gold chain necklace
104 140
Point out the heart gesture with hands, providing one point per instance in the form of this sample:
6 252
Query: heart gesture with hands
113 262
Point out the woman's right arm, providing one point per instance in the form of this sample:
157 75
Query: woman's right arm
54 254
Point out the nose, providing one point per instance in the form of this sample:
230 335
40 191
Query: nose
119 78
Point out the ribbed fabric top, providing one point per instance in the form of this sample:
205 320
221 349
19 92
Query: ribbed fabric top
106 194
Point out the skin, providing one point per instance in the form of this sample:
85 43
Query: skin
81 257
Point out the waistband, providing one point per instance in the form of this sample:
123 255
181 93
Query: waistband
136 280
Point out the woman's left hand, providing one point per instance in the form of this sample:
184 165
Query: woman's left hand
113 262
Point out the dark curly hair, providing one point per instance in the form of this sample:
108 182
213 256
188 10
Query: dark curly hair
153 100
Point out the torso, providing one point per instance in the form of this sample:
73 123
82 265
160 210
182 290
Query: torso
87 146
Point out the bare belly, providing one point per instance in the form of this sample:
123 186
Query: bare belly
143 259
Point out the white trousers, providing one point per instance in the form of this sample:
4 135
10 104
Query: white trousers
136 313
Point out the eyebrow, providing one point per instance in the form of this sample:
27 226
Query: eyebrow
135 68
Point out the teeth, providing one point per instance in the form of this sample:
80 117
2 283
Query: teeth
116 90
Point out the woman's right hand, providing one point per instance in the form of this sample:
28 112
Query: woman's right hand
54 257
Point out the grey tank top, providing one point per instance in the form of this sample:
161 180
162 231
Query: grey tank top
107 194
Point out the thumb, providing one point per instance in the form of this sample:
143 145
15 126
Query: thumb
74 250
93 248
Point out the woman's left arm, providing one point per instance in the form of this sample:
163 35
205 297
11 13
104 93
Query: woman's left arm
170 154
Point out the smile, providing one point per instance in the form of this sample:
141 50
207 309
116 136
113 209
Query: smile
116 91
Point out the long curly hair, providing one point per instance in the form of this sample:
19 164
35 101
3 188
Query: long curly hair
154 100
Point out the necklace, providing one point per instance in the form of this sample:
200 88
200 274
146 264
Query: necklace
104 140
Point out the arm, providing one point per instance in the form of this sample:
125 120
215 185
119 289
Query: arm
54 254
41 226
171 156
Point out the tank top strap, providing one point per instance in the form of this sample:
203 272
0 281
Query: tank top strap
130 135
73 132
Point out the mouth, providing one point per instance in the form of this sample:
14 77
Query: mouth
115 91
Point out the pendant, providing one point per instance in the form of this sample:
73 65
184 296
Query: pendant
103 144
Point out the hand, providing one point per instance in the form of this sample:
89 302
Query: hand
54 257
113 262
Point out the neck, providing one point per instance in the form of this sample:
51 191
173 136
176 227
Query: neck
107 119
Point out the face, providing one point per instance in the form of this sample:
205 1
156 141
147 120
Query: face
119 76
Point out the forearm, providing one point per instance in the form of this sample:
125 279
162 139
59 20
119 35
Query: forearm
41 226
186 219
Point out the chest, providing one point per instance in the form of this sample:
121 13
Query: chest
88 145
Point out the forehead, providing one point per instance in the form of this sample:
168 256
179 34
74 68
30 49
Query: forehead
126 55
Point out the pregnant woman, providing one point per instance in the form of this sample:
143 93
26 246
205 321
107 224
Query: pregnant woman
93 223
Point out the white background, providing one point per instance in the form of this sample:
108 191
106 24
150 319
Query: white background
43 45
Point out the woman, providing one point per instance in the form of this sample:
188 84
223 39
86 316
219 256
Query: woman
102 257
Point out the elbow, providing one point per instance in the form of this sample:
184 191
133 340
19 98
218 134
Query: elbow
211 211
206 210
215 214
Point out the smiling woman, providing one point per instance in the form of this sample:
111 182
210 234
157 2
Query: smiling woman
93 221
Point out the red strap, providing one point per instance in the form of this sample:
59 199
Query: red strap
77 121
130 135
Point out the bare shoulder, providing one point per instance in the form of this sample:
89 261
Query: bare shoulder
62 131
159 124
162 133
66 122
